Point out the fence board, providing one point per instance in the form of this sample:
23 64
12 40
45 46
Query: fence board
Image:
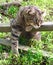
26 48
16 3
5 27
46 26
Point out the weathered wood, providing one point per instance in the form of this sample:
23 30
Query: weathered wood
5 27
46 26
16 3
26 48
5 42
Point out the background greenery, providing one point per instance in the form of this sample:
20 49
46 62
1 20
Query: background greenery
28 58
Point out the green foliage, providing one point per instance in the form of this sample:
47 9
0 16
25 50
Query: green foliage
13 10
34 57
4 49
3 1
27 59
50 61
44 5
30 58
47 38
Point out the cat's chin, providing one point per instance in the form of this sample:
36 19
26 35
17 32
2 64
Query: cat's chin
35 26
28 28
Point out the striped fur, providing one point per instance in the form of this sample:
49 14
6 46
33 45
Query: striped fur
28 16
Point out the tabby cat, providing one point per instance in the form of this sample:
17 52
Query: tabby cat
28 18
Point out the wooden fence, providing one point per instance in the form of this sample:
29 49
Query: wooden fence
46 26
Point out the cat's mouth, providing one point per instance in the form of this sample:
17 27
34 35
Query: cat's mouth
31 26
35 26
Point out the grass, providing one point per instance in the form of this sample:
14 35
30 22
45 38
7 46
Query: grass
27 58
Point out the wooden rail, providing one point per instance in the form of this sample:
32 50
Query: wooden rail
15 3
26 48
46 26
